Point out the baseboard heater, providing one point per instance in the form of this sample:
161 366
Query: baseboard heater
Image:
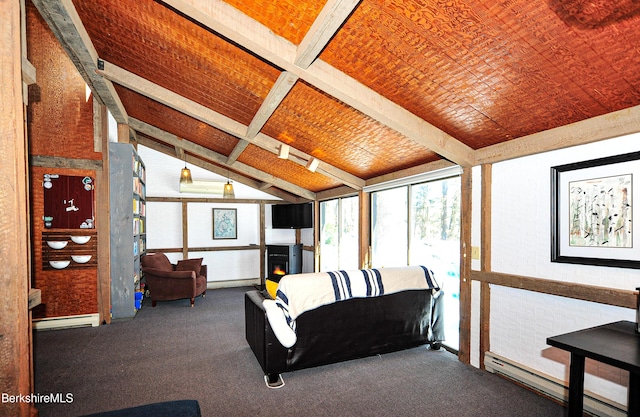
249 282
66 322
549 386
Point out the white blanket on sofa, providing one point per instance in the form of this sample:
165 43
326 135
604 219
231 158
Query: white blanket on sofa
303 292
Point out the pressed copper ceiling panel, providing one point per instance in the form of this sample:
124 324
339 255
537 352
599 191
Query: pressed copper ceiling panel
319 125
489 71
162 46
177 123
290 19
286 170
483 71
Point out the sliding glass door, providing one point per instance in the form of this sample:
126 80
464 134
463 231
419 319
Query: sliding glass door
419 224
389 236
339 234
435 243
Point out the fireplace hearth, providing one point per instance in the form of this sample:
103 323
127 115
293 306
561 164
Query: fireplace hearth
283 260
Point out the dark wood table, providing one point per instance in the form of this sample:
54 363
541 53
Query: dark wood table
615 344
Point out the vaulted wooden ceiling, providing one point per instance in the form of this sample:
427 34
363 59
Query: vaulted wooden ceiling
371 89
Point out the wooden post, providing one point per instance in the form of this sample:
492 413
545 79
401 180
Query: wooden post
123 133
316 236
365 230
464 352
14 217
185 231
263 244
103 207
485 262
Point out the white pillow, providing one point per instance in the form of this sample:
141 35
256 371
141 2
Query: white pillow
286 336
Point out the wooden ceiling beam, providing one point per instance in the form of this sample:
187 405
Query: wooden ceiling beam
195 161
64 22
207 154
331 18
619 123
257 38
278 92
338 192
237 151
344 191
301 158
166 149
217 120
167 97
409 172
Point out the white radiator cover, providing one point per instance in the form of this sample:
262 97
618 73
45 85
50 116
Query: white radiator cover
550 386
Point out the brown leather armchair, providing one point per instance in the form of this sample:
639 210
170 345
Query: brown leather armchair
167 281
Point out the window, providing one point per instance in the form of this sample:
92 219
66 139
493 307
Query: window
339 234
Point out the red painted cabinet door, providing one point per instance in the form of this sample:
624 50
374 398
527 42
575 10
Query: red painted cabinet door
68 202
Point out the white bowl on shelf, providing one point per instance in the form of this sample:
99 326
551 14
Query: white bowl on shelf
81 240
81 259
59 264
57 244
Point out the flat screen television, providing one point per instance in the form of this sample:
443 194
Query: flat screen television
292 216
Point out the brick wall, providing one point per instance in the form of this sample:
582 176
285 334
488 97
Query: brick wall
60 124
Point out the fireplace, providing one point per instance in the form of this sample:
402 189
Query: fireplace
283 260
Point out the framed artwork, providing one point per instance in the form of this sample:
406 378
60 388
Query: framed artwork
592 212
225 223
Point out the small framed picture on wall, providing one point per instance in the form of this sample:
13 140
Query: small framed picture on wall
225 223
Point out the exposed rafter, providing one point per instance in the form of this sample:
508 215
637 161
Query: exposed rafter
280 89
300 62
278 92
619 123
195 161
207 154
64 22
217 120
224 19
333 15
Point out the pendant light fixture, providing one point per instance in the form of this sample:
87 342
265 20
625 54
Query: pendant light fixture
228 189
185 174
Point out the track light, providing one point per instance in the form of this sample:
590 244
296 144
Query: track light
284 151
313 163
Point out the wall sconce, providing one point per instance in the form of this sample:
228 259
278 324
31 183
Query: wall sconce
185 174
284 151
313 163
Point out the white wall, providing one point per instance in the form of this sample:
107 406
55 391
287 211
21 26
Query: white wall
521 320
164 222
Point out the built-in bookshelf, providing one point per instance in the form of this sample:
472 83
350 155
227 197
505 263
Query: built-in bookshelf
128 228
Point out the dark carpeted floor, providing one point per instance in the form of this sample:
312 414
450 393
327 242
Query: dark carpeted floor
174 352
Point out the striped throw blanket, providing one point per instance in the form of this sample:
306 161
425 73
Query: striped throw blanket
299 293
